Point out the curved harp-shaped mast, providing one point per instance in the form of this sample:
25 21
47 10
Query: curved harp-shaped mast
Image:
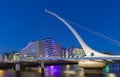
88 51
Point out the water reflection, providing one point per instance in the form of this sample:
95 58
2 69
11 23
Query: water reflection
57 71
111 75
53 71
30 74
17 73
1 73
68 70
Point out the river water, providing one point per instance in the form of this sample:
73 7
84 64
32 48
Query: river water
62 71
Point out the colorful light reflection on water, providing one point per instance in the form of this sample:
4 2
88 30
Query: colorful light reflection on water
53 71
60 71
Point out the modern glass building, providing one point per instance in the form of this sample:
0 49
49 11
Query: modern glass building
45 48
51 48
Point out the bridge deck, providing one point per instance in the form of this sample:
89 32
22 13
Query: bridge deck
9 65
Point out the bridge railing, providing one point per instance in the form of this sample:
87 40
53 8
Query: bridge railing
73 58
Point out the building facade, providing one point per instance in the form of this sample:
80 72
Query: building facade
45 48
72 52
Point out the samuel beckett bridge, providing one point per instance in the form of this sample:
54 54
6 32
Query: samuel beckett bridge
91 54
93 58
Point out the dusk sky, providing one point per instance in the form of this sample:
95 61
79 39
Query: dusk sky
22 21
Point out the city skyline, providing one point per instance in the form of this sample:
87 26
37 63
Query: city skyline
23 21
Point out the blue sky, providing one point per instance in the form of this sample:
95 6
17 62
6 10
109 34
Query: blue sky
24 20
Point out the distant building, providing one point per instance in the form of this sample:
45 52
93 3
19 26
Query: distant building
12 56
51 49
67 52
30 51
45 48
78 52
72 52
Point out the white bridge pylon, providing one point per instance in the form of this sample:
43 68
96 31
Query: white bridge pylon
88 51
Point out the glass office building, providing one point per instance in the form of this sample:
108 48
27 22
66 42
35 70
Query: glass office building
45 48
